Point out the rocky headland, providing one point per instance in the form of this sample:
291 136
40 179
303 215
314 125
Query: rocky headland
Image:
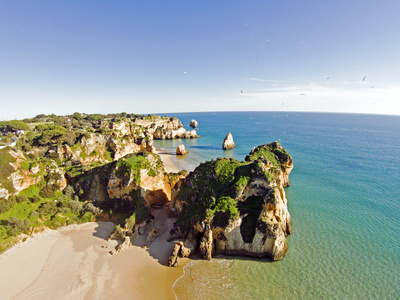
81 168
235 208
60 170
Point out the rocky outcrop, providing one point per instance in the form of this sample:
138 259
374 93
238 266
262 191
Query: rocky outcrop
144 172
236 208
180 133
122 247
163 128
94 146
180 150
228 142
152 234
173 260
193 124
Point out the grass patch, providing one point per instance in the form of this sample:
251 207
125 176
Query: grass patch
131 165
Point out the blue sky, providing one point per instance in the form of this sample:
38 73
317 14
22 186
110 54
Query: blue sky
183 55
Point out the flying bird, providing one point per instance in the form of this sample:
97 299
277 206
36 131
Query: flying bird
241 91
364 78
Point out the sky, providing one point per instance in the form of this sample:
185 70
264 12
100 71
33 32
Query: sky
167 56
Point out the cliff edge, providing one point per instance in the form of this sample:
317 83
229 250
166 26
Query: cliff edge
235 208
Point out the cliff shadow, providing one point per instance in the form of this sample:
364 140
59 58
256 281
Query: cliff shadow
243 258
161 249
103 230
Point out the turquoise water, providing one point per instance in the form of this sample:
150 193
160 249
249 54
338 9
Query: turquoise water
344 199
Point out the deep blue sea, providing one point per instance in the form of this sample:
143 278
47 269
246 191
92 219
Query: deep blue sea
344 199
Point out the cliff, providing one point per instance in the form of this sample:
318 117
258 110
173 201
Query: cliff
235 208
75 144
163 128
60 170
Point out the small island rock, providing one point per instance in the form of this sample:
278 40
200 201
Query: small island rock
193 124
228 142
180 150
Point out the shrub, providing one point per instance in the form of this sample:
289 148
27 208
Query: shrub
33 216
6 204
13 125
48 209
75 206
130 222
56 221
94 209
35 199
69 138
15 226
48 191
21 198
69 191
87 217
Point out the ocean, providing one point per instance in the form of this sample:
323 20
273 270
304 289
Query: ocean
344 199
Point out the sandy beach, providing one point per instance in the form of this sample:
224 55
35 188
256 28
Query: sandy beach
74 263
169 164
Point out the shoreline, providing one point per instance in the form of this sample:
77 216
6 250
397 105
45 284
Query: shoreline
169 164
74 262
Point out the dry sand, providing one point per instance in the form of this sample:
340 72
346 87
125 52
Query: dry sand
169 164
74 263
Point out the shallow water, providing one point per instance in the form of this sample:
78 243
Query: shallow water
344 201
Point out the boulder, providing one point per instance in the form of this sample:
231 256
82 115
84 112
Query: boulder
228 142
180 150
193 124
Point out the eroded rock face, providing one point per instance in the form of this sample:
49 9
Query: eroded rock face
165 128
151 236
149 180
236 208
228 142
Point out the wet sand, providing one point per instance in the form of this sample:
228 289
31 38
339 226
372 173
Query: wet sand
74 263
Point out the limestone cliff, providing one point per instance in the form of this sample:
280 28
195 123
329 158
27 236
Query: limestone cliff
165 128
235 208
132 185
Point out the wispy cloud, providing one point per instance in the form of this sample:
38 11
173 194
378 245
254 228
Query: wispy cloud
260 79
360 98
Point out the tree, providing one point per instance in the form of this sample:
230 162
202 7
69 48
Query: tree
12 126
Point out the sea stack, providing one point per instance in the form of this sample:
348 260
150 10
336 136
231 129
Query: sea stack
228 142
193 124
180 150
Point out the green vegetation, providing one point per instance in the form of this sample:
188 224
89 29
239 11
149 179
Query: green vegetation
209 191
31 211
272 152
130 165
6 159
45 149
13 125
